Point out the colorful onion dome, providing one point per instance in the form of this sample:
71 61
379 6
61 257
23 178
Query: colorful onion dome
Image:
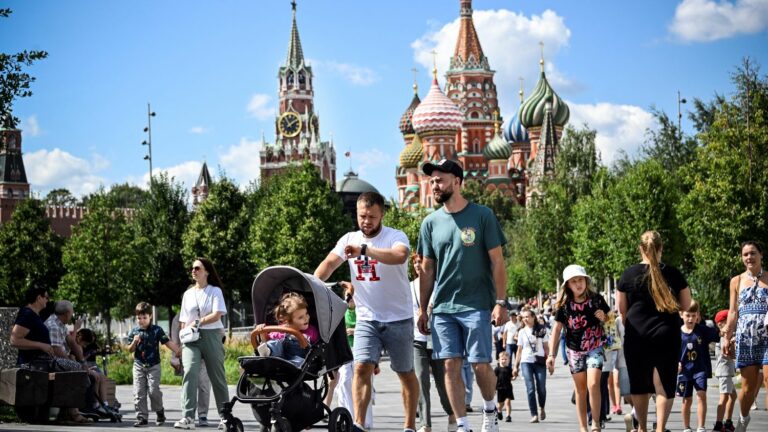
436 112
412 154
406 123
532 110
514 131
498 148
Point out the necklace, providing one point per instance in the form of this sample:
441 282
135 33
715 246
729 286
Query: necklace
753 277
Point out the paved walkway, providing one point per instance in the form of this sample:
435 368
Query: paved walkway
388 410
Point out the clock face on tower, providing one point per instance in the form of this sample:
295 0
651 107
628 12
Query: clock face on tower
289 124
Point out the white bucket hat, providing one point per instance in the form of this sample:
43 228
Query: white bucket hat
571 272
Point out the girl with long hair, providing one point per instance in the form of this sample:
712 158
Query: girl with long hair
531 351
649 298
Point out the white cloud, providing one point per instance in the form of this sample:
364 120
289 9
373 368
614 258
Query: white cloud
710 20
31 126
48 170
619 127
241 162
198 130
260 106
511 43
357 75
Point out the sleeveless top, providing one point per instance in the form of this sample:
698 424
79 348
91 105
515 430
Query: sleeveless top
751 332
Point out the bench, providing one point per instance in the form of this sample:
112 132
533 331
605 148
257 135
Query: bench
33 393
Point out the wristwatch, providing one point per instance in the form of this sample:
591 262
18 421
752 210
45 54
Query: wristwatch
502 302
363 249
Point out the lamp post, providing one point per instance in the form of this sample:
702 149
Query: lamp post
680 101
148 142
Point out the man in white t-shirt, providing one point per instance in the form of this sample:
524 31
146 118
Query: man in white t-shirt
378 264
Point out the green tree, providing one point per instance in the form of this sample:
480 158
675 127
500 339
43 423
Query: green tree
14 82
407 222
667 145
299 220
31 253
218 231
592 216
162 219
727 200
105 262
60 197
123 195
503 206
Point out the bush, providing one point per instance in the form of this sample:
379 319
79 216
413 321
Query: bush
120 366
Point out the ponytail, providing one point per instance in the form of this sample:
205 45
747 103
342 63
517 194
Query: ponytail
650 245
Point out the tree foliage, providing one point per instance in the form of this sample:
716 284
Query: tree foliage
123 195
14 82
162 219
60 197
219 231
502 206
105 262
407 222
31 253
667 145
299 220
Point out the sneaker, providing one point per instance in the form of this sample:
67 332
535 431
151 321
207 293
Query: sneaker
202 422
701 429
687 430
222 425
263 350
728 426
185 423
452 427
160 418
534 419
741 425
508 419
629 422
141 421
542 414
425 429
490 422
357 428
499 416
462 428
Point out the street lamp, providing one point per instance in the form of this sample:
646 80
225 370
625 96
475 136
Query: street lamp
680 101
148 142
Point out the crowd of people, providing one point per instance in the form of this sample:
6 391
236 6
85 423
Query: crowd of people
443 327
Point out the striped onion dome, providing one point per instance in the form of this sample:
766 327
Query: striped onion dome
532 110
514 131
412 154
436 112
406 124
497 149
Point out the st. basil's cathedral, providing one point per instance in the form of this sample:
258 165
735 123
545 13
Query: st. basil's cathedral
462 123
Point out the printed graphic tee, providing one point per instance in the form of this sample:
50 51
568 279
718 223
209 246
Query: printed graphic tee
583 331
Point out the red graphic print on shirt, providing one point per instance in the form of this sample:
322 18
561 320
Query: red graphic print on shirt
366 266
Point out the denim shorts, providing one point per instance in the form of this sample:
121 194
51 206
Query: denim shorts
396 337
462 334
580 361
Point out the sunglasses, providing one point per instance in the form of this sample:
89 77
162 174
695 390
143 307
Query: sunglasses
196 268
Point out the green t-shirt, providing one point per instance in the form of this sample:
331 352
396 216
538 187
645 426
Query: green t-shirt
350 320
459 244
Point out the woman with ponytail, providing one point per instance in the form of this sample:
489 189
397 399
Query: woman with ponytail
649 298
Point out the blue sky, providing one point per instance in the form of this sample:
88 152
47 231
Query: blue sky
209 70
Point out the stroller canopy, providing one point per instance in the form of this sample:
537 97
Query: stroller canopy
272 282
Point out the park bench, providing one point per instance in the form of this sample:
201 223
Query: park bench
33 393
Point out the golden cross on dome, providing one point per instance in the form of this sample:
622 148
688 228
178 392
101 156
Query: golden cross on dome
521 89
415 79
434 63
541 61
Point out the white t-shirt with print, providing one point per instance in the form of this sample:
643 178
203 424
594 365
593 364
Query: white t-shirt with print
381 290
198 303
532 346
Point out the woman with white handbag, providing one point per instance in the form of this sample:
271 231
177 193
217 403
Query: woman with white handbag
201 336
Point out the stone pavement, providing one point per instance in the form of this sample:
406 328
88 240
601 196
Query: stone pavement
388 409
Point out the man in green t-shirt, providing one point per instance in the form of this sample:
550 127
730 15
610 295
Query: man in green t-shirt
461 245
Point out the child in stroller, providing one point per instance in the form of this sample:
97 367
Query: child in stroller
291 312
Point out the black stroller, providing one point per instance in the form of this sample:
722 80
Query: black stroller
284 397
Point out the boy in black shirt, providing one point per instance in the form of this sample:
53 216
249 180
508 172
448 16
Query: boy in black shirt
504 393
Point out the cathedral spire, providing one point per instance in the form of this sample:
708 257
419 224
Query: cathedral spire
468 53
295 54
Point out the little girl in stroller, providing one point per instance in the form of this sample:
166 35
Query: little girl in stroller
291 312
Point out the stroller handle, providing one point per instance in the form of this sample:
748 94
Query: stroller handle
303 343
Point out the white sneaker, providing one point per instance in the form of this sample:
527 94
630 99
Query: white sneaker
490 422
222 426
687 430
741 425
462 428
701 430
263 350
185 423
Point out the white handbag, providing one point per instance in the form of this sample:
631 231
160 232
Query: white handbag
189 334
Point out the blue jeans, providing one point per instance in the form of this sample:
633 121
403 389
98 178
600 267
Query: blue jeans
535 376
289 349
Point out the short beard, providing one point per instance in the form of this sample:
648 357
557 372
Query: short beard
443 197
371 233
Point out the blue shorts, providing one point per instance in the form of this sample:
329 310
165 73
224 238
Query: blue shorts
580 361
462 334
396 336
686 384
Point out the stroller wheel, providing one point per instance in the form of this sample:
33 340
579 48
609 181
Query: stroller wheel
340 420
281 425
235 425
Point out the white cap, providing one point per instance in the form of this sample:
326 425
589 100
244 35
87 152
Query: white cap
571 272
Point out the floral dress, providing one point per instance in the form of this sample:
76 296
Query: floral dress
751 332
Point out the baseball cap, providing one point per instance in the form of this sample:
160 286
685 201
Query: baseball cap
721 316
571 272
446 166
